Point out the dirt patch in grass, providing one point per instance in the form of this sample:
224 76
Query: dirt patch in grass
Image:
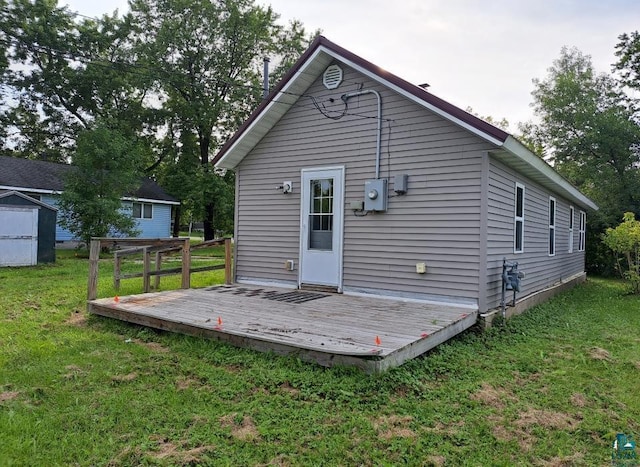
578 400
546 419
637 364
522 426
279 461
502 433
286 387
598 353
155 346
77 318
492 397
73 371
8 395
244 430
176 454
436 461
564 461
124 378
394 426
446 430
185 383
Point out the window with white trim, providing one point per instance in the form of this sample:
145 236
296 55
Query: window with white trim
552 226
142 211
571 215
518 220
582 232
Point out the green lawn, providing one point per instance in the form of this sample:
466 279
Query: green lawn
552 388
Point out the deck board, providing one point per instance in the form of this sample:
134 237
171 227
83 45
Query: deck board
333 329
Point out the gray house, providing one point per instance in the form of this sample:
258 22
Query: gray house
352 179
150 205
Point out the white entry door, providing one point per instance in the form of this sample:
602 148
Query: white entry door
18 236
322 216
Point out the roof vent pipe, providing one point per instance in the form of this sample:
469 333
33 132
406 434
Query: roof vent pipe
265 78
346 97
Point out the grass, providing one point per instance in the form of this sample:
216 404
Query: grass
553 387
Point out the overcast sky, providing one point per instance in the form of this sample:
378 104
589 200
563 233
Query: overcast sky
479 54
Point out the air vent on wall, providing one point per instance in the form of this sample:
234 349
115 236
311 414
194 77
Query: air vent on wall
332 77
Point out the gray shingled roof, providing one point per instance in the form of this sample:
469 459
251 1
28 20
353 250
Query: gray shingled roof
26 174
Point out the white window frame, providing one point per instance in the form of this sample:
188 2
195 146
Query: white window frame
142 210
552 225
582 232
571 220
518 219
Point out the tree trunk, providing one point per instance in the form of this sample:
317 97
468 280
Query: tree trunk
209 230
176 221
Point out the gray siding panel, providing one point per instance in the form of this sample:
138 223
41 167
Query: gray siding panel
541 269
436 222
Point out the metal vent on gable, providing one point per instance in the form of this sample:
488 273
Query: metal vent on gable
332 77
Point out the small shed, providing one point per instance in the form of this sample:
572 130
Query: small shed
27 230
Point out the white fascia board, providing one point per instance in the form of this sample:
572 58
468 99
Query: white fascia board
54 192
519 150
415 99
30 190
259 127
149 200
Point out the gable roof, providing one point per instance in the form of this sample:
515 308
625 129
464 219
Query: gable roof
48 177
37 202
321 54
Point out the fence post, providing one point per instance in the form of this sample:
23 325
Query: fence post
117 268
227 261
146 261
186 264
94 256
158 267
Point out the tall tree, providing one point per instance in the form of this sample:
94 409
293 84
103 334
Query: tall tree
105 168
207 58
628 64
587 130
66 72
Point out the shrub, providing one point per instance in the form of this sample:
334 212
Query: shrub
624 240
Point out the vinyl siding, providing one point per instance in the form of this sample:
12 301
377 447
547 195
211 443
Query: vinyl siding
541 269
157 227
62 235
437 221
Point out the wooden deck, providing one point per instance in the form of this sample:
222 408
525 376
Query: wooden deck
373 334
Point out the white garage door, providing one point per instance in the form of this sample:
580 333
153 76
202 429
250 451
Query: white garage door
18 236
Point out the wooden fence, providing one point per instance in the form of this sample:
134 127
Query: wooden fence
123 247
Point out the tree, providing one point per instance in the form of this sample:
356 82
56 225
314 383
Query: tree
106 168
65 73
628 64
624 240
206 56
587 130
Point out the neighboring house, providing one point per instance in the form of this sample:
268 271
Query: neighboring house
351 178
44 181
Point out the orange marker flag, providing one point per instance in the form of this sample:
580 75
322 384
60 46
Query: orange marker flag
116 299
219 321
378 341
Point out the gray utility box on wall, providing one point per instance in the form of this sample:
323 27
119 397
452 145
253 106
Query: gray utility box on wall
375 195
